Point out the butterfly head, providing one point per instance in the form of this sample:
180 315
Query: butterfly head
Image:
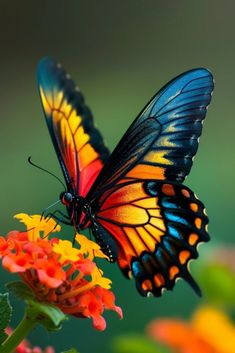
66 198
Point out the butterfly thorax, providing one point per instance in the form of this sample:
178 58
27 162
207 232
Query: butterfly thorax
82 216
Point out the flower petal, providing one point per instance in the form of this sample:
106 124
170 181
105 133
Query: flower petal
98 279
180 336
108 299
85 266
215 328
89 248
99 323
66 251
50 273
36 224
16 263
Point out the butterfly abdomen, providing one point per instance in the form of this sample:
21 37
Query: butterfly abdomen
105 241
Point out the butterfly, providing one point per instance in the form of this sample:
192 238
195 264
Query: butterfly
133 200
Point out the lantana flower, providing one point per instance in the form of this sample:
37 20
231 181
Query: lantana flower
209 331
57 272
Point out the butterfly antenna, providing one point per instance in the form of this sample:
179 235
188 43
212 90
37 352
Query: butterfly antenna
47 171
47 208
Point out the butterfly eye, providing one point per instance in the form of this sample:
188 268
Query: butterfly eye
66 198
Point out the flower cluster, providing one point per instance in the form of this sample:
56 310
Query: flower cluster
209 331
57 272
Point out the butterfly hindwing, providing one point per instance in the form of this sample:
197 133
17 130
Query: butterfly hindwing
78 144
157 227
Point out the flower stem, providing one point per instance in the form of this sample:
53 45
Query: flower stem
21 331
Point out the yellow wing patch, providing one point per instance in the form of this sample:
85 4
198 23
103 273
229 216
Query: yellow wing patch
79 156
126 214
159 157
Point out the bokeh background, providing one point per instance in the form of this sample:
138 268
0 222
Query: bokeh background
119 53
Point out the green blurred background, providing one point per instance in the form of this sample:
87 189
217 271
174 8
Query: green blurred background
119 53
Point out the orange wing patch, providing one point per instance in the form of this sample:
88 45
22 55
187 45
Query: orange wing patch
126 214
131 205
142 171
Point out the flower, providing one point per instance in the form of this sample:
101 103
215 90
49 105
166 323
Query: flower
57 272
89 248
209 331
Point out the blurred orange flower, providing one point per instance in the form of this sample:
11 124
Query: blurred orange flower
209 331
57 272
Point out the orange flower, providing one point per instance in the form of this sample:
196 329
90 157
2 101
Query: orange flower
18 262
57 272
50 272
210 331
178 335
95 302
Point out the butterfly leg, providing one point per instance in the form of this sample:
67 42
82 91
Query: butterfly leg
53 215
62 214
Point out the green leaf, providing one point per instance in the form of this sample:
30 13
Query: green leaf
5 315
71 350
47 315
20 290
134 343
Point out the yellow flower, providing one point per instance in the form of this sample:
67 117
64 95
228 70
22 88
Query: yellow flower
35 225
66 251
98 279
210 330
89 248
215 328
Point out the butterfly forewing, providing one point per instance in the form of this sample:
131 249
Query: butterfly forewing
78 144
162 141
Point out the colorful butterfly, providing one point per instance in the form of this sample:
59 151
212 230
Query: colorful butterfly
133 200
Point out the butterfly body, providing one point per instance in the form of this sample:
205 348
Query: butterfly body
77 209
134 200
